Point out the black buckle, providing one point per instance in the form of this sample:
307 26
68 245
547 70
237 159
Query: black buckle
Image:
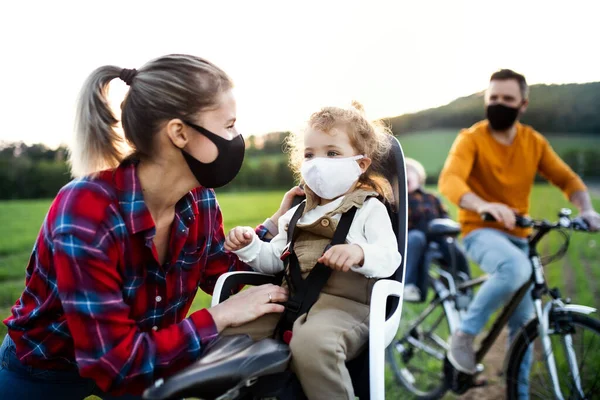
293 306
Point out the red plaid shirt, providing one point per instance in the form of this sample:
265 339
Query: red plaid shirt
96 297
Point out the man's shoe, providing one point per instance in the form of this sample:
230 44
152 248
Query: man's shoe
411 293
461 354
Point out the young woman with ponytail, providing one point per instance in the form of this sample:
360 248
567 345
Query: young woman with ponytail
126 244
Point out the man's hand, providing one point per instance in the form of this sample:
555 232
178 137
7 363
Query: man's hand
343 256
238 238
592 218
501 212
581 199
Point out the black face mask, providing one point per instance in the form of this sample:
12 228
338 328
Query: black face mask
501 117
225 167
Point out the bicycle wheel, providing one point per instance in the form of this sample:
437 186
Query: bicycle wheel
584 350
417 354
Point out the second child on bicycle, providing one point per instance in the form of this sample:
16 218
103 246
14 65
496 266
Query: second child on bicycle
423 207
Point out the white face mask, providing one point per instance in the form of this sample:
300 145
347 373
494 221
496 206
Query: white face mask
331 177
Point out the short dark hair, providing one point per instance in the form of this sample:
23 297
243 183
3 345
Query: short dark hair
507 74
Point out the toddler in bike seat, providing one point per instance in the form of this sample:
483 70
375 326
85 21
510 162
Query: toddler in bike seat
342 231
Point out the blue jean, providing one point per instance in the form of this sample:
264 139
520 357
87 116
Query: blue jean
417 260
505 258
416 245
19 381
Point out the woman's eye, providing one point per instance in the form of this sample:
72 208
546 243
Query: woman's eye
332 153
308 155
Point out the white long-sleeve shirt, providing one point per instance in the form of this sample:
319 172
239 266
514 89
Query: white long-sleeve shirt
371 229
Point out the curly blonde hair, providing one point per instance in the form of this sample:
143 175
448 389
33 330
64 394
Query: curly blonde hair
368 138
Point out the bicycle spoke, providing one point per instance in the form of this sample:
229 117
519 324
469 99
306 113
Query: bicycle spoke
435 324
428 349
417 359
440 342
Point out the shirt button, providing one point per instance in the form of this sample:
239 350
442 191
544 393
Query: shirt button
155 328
158 299
325 222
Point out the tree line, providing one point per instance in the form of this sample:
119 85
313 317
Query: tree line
32 172
552 109
35 171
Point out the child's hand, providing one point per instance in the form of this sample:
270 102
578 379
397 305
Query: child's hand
342 257
238 238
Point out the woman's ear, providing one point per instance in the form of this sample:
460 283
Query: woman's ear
177 133
364 164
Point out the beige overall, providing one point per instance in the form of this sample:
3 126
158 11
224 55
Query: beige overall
336 328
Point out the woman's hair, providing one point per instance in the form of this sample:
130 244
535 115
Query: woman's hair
417 167
368 138
172 86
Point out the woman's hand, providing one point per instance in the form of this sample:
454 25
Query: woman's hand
343 256
238 238
286 203
248 305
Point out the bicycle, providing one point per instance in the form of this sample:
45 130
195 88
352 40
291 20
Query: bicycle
418 354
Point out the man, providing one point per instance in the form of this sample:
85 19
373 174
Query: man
491 169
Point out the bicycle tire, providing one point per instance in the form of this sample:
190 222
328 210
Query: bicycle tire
529 334
392 353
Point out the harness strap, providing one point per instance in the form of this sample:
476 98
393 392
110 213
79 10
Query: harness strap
306 291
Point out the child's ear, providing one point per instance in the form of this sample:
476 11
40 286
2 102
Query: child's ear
364 163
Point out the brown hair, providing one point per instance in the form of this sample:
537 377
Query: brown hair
508 74
172 86
369 138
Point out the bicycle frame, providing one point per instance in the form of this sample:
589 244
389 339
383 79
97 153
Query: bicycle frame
539 289
537 285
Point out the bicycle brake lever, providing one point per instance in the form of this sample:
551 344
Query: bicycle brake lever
579 224
523 221
520 220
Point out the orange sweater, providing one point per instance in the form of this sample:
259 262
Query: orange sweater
499 173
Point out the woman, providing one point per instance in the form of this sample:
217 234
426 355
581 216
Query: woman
123 249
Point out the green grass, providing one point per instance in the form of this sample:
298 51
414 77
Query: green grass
433 152
21 221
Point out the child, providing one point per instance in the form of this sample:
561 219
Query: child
422 208
341 149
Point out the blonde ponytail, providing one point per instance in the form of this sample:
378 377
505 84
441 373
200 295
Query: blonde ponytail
97 145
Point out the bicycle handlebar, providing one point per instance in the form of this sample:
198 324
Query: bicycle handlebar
564 221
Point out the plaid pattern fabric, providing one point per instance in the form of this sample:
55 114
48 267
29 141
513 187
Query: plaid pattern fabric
422 208
96 297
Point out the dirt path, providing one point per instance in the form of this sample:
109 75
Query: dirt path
493 361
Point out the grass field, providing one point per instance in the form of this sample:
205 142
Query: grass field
578 274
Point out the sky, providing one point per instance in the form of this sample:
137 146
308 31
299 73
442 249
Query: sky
288 58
